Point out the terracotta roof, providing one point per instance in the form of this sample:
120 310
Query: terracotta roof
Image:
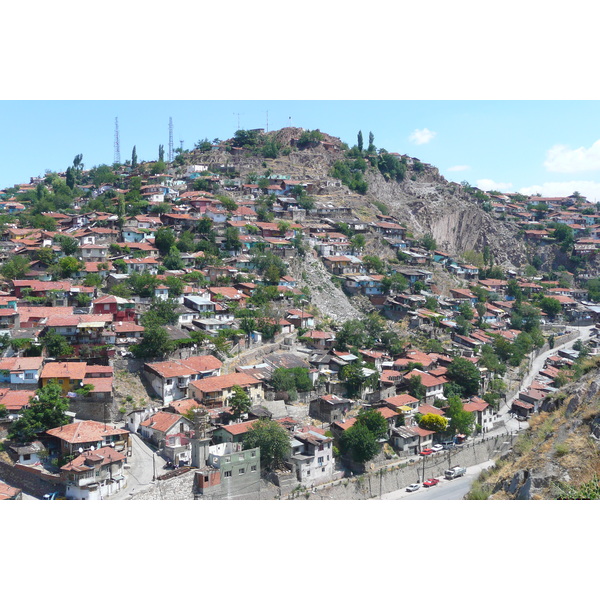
221 382
62 370
162 421
402 400
183 406
7 492
426 409
387 413
239 428
91 459
15 400
85 432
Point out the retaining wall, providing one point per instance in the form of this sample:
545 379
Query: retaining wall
32 481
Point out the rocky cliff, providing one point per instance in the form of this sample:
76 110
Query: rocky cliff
560 452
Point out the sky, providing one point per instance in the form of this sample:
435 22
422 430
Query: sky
491 94
528 146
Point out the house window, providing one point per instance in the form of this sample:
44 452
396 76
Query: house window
169 381
320 460
227 474
206 478
26 456
228 459
241 471
28 375
253 468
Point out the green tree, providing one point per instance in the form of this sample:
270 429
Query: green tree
46 410
375 422
15 268
360 141
371 149
428 242
134 158
239 401
164 239
461 421
161 312
466 375
68 245
68 266
161 153
56 345
173 260
416 388
551 306
271 439
359 443
155 343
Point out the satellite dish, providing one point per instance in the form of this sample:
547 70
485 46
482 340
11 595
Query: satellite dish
80 450
112 444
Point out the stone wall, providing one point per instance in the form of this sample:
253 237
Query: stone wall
30 480
393 477
97 410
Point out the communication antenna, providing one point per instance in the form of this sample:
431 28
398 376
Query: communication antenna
117 147
170 139
267 121
181 144
238 120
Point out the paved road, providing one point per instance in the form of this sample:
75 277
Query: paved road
444 490
144 464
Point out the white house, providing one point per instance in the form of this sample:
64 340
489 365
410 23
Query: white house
94 474
312 456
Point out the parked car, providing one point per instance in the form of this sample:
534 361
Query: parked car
426 452
413 487
449 444
437 447
430 482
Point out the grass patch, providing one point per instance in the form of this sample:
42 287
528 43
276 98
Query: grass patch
561 450
479 491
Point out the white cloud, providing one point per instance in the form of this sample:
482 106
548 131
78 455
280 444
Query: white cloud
562 159
558 189
458 168
422 136
490 184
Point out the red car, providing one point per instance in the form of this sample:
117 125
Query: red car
426 452
430 482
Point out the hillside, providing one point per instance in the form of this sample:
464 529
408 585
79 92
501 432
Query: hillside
560 452
424 201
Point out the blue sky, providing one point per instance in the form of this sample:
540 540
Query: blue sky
551 147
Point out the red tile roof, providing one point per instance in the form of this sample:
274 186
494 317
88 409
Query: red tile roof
162 421
223 382
64 370
85 432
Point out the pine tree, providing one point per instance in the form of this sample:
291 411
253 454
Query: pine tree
360 141
161 153
134 158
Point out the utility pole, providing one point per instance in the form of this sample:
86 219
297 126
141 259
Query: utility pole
117 157
170 139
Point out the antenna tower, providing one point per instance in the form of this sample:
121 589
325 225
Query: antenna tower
117 147
170 139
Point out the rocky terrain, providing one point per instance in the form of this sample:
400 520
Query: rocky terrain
424 201
560 451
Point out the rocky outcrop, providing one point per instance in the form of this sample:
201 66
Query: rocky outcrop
560 448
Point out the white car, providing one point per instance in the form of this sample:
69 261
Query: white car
413 487
437 447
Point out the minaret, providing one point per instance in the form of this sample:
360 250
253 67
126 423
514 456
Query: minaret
201 440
